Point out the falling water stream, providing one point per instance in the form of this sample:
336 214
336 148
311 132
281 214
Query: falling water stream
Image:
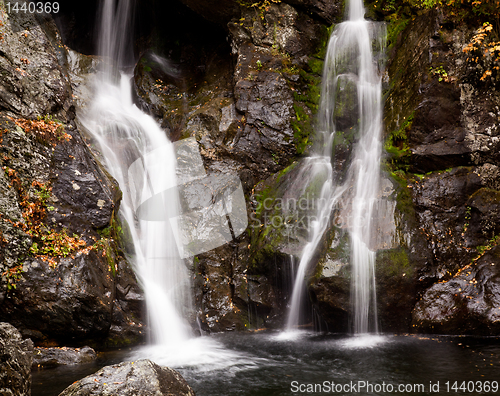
126 135
141 158
350 78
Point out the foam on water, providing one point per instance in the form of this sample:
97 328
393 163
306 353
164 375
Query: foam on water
201 354
363 341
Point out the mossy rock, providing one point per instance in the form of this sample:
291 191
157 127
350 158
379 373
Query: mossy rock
394 262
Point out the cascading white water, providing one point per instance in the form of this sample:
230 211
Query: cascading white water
124 135
350 73
138 154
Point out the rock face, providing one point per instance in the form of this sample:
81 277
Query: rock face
64 277
447 130
51 357
467 303
140 378
243 81
32 85
15 365
436 269
250 111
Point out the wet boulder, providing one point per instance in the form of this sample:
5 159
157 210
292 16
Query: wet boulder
468 303
213 291
139 378
78 301
15 364
51 357
64 304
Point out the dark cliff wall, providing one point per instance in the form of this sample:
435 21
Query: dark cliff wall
61 266
243 80
442 121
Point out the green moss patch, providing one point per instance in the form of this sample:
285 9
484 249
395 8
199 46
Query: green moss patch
307 93
394 262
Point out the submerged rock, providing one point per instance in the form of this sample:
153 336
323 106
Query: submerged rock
15 362
51 357
139 378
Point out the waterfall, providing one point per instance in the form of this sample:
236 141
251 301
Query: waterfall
140 157
351 104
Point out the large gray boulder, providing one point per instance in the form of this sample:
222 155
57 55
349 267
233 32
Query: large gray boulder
16 355
139 378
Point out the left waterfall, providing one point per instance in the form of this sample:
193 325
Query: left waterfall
140 157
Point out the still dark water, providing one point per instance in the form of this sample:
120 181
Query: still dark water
256 364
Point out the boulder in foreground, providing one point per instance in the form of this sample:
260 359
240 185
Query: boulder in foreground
16 355
139 378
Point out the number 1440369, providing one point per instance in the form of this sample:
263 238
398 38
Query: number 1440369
472 386
32 7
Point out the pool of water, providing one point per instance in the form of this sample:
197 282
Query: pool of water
268 364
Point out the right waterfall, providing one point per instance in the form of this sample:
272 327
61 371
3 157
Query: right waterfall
347 157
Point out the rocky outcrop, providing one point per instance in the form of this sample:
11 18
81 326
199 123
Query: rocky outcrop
139 378
225 12
468 303
60 231
442 127
15 364
52 357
